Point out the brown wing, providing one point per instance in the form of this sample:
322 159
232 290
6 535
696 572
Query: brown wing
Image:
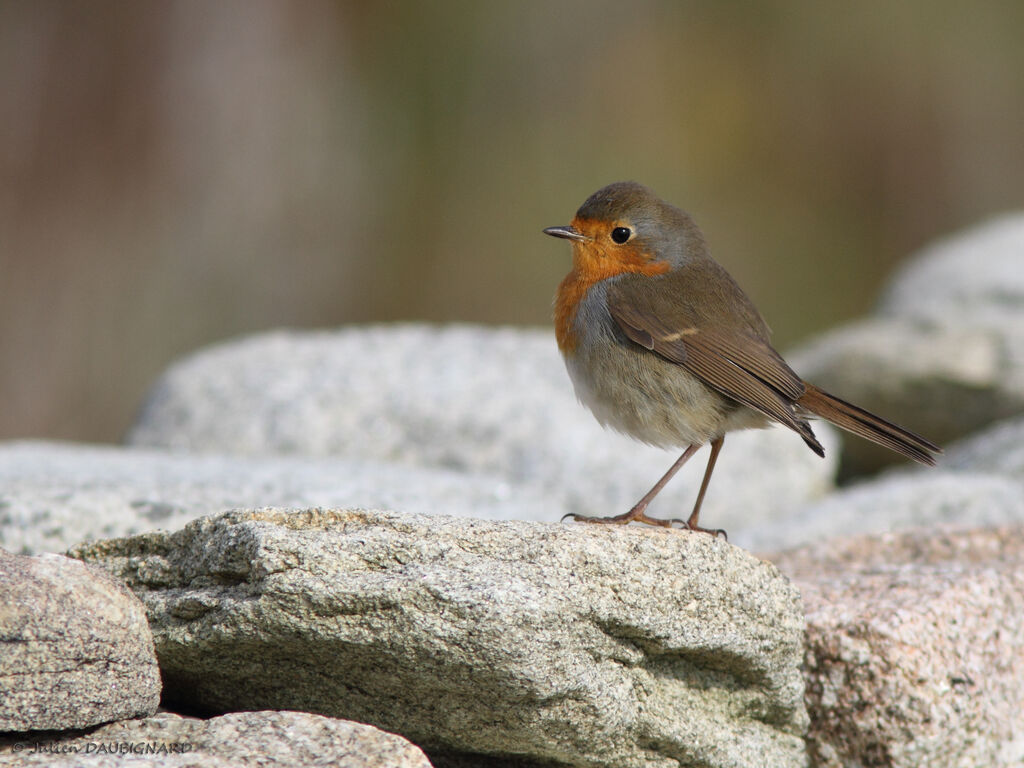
717 336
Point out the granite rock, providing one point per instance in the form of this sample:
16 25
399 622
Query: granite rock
915 648
973 273
929 498
541 644
75 648
495 401
944 354
979 482
998 450
54 495
236 740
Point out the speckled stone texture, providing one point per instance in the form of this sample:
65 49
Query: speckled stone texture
979 482
250 739
915 648
75 649
54 495
539 643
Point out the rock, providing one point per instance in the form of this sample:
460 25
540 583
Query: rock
975 273
942 384
75 649
543 643
999 450
927 498
464 398
167 740
944 355
979 482
915 648
55 495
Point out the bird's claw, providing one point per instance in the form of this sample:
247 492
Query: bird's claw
632 516
713 532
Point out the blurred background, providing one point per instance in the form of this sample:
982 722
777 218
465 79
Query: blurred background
173 174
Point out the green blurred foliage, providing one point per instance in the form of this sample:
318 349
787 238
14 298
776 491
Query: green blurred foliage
176 173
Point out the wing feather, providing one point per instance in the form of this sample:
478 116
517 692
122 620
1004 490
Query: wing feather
733 361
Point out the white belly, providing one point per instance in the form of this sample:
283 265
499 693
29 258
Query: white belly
653 400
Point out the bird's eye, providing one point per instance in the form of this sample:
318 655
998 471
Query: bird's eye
621 234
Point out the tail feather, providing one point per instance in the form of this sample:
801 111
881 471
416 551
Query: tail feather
867 425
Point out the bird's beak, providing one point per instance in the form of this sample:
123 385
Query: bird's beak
567 233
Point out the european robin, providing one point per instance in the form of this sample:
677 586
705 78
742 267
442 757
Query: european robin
663 345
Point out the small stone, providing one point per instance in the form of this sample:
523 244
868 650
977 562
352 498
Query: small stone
166 740
75 648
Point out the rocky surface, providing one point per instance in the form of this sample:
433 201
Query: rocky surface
997 451
944 354
55 495
973 274
75 648
472 399
930 498
540 643
237 740
978 483
915 648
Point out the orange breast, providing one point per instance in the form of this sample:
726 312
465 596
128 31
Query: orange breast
570 293
591 263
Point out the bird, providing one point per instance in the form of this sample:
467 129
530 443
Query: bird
663 345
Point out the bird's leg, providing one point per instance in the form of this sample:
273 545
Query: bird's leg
716 446
636 514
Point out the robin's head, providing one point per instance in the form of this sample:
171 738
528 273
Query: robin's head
625 227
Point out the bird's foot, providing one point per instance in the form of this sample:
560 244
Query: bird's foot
714 532
637 516
633 516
